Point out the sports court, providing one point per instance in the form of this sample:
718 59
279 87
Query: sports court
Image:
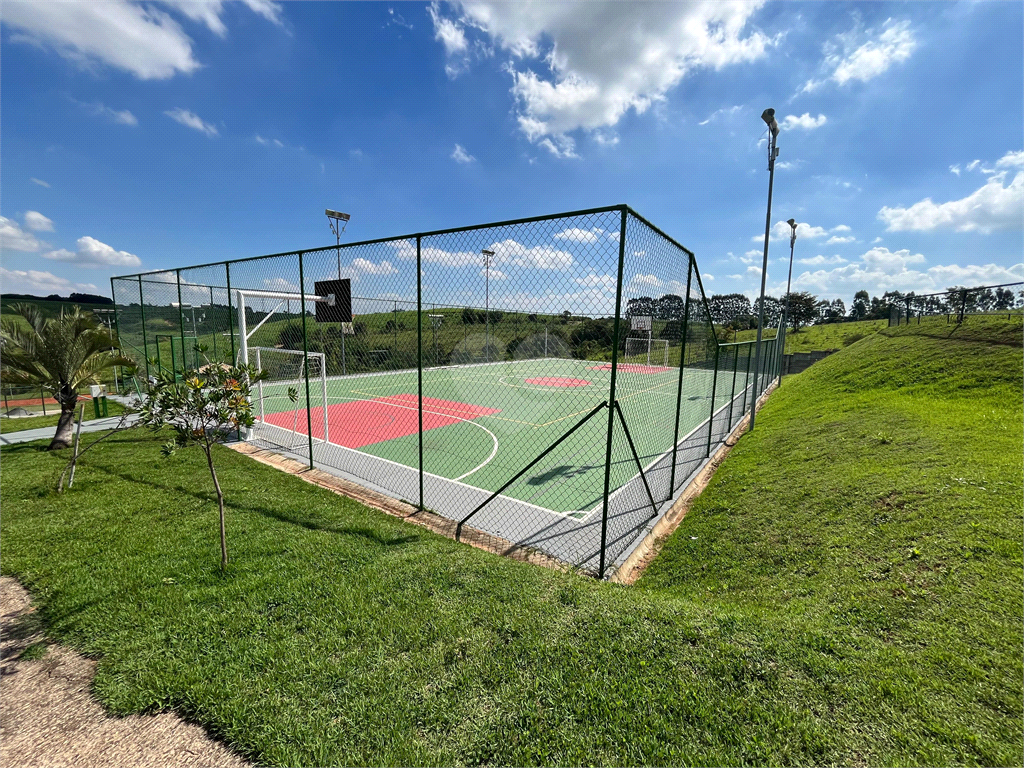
553 381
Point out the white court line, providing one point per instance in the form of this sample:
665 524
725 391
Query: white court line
494 438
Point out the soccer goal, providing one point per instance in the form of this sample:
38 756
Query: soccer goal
285 369
647 351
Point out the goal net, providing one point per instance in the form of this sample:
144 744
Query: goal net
646 351
275 412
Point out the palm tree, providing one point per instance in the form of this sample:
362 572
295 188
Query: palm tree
59 354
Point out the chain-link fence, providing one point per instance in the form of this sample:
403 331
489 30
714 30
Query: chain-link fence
553 381
959 304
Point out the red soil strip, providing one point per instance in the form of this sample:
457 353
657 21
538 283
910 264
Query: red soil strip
36 401
632 368
365 422
555 381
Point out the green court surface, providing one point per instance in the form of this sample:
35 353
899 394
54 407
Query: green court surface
482 424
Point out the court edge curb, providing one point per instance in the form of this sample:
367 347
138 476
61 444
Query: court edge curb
409 513
633 567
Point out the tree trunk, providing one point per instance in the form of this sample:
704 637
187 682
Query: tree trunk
220 507
66 422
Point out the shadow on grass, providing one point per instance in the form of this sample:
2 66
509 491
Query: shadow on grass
291 518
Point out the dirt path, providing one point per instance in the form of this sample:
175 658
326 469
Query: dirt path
49 718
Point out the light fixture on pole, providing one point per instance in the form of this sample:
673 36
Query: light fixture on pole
789 282
773 151
488 255
338 222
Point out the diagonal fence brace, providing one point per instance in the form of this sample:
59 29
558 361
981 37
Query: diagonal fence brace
636 458
528 467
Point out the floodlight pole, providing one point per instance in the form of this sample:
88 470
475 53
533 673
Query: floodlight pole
488 255
789 282
773 132
338 222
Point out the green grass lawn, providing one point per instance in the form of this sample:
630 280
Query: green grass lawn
7 426
847 590
816 338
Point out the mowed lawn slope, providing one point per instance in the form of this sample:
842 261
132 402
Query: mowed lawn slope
847 590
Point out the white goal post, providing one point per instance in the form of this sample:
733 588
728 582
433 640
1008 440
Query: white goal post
282 297
653 351
284 368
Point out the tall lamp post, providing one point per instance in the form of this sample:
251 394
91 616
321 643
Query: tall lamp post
488 255
338 222
773 131
789 282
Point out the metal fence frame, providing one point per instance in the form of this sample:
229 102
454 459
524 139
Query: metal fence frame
628 511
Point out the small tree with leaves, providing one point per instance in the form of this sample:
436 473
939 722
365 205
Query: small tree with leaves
206 406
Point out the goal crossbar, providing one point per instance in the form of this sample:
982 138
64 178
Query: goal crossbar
283 296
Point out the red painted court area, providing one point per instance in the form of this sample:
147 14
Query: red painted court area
557 381
364 422
632 368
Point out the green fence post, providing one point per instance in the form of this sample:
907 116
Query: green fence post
145 343
714 387
213 324
679 386
305 359
746 377
419 355
181 323
231 312
611 393
732 390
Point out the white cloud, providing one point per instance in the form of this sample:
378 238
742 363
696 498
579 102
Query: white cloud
366 267
985 210
40 182
605 139
460 155
724 112
191 120
280 284
93 253
642 281
836 239
37 222
863 55
123 116
14 238
1011 160
495 274
140 39
804 122
881 270
819 260
973 164
536 257
707 276
782 231
37 282
954 169
876 240
605 282
575 69
577 235
208 12
841 228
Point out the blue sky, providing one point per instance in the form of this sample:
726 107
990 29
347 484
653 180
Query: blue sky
139 136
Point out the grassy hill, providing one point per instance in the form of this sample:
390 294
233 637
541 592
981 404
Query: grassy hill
816 338
847 590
